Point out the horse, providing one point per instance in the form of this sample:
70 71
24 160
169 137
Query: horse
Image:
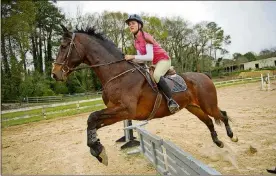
126 92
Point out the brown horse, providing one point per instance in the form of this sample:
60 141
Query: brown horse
126 93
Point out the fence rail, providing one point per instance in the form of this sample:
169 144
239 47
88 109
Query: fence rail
235 81
48 106
167 158
44 99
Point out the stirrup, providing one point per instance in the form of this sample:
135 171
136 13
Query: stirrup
173 106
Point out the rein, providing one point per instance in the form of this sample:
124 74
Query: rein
97 65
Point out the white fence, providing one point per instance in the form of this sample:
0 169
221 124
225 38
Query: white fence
43 99
49 105
167 158
236 81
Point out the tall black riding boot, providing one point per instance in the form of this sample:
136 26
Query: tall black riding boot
172 105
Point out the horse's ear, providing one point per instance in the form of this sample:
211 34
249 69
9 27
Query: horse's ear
65 30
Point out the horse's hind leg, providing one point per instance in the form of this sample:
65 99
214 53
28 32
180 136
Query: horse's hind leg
208 121
227 126
220 115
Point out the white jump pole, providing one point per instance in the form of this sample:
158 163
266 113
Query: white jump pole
262 82
126 132
268 82
265 82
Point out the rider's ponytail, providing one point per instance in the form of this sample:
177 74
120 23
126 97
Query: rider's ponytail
143 34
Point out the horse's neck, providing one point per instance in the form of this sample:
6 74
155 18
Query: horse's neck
108 71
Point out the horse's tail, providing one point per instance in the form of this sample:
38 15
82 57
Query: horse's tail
223 116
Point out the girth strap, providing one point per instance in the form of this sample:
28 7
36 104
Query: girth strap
156 106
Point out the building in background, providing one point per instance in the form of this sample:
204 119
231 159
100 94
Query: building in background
253 65
269 62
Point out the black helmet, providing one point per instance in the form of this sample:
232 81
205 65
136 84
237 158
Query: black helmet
135 17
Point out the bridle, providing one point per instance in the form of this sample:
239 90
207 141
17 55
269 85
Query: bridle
65 68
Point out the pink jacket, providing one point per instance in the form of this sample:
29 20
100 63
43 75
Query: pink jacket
158 52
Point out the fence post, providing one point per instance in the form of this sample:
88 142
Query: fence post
268 82
43 112
78 105
262 82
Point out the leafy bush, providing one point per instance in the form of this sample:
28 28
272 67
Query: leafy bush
35 85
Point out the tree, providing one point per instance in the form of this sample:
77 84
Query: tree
177 42
22 21
48 20
236 55
217 39
267 53
16 19
250 56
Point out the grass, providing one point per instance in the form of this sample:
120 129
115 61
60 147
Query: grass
51 112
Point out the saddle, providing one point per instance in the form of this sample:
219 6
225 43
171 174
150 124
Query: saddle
175 82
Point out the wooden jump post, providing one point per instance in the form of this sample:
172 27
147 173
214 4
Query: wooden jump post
128 136
265 82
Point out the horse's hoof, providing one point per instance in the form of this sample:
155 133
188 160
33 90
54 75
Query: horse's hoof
271 170
234 139
221 145
103 156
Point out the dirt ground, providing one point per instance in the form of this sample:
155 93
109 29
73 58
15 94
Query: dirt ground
59 146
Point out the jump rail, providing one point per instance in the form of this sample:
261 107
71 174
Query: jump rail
167 158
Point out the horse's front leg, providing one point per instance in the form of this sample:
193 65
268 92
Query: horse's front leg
97 120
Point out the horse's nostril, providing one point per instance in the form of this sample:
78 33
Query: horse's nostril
53 76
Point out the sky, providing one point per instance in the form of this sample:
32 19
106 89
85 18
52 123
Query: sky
251 24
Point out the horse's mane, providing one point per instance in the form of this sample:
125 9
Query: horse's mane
92 32
107 43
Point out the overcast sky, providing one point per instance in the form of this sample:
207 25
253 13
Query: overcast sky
251 25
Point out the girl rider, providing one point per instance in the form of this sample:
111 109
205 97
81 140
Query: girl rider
149 50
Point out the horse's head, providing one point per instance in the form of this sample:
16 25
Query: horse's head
70 55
